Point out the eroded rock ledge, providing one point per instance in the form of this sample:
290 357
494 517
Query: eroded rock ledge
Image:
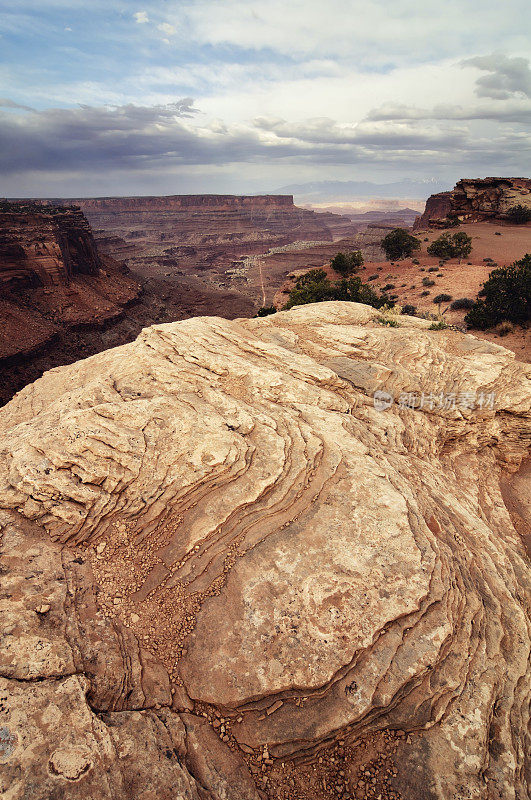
221 564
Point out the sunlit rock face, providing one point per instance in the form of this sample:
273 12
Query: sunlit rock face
217 522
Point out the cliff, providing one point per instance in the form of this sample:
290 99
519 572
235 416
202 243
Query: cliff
229 572
45 246
476 200
53 285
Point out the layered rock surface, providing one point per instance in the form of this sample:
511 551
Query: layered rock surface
221 562
476 200
47 247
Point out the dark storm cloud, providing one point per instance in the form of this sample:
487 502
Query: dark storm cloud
123 137
151 139
507 76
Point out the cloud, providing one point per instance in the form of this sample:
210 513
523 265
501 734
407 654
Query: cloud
166 28
507 76
141 17
512 112
164 138
5 102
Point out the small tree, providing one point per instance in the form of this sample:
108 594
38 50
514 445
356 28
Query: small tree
442 298
505 296
519 214
451 245
347 263
399 244
462 245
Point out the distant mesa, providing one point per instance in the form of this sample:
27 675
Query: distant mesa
475 200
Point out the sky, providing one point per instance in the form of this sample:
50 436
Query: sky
240 96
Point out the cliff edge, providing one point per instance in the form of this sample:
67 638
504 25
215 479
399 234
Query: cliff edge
475 200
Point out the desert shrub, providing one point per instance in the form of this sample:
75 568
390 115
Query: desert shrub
399 244
438 326
409 309
451 245
497 233
424 294
265 311
506 296
504 328
519 214
315 287
415 261
391 323
388 287
442 298
427 282
373 277
433 269
462 304
347 263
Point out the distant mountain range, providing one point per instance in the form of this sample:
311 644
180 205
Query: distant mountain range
351 190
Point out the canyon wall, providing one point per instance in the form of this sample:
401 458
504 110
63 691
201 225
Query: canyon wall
203 232
45 246
476 200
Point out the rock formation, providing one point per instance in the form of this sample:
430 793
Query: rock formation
475 200
53 284
227 574
45 246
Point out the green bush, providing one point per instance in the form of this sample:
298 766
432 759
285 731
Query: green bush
505 296
451 245
347 263
438 326
519 214
399 244
388 287
427 282
409 309
265 311
462 304
315 287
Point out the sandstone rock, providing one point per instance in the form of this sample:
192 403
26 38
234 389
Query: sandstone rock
313 570
476 199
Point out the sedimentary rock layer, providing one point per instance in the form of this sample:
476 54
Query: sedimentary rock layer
225 560
47 248
476 199
200 230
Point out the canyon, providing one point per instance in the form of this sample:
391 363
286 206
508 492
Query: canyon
203 232
77 279
229 572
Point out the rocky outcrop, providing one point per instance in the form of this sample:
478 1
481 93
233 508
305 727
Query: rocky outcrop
231 575
45 246
475 200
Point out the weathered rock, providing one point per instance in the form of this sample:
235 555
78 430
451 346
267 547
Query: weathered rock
226 508
476 199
